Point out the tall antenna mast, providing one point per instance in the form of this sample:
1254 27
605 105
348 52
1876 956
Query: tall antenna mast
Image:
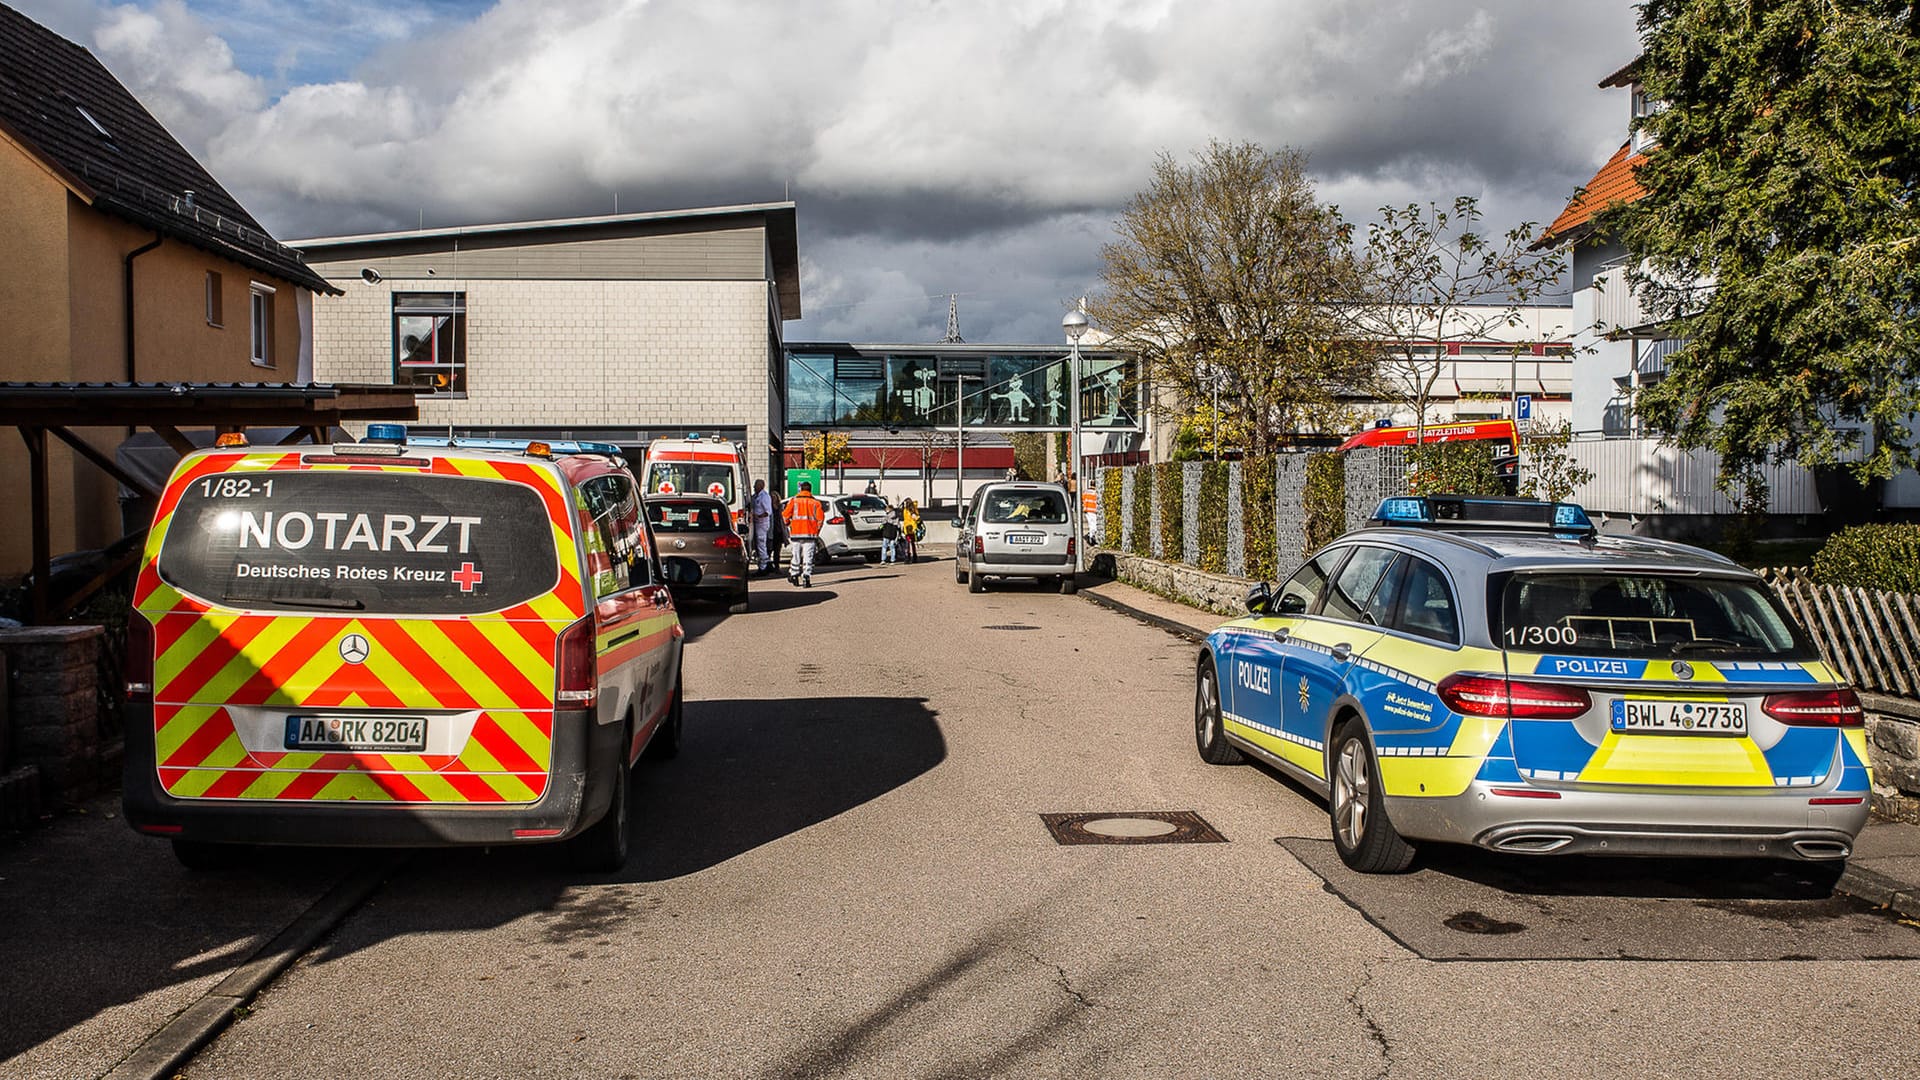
953 321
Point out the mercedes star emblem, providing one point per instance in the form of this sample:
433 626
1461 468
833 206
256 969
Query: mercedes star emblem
354 649
1682 669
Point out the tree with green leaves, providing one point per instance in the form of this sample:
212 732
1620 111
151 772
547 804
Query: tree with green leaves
1434 278
1780 229
1227 276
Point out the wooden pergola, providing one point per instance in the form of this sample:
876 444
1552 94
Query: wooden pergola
40 409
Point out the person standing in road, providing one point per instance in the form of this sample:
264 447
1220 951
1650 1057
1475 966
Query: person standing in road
890 537
803 515
761 509
910 529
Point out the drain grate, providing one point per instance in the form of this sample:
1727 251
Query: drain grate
1010 626
1132 827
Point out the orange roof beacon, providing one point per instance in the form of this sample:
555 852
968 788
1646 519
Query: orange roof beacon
394 643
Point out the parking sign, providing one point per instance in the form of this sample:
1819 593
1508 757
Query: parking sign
1523 407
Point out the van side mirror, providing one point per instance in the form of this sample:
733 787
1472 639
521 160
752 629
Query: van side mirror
1293 604
1258 598
679 570
959 523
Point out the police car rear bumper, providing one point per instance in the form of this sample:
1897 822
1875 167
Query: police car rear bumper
1763 824
586 758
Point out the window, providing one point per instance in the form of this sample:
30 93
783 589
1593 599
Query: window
1354 585
1308 582
216 307
1426 604
430 342
1643 108
1627 613
1026 508
261 303
616 544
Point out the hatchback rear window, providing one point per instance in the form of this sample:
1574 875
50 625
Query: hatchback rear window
1648 615
340 541
1026 508
687 517
855 504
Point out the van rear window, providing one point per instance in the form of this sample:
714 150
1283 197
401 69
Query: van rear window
1646 615
1026 507
342 541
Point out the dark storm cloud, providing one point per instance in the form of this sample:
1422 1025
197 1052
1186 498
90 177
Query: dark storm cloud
981 148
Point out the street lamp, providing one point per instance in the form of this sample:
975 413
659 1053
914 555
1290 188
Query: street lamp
1075 324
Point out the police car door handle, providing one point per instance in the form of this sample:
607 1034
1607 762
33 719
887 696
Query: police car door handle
1343 651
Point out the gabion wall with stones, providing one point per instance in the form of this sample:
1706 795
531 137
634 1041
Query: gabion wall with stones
1236 524
1190 510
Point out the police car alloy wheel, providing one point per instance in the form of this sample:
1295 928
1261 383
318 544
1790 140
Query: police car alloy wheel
1362 834
1208 735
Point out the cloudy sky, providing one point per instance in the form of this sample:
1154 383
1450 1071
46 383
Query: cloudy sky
975 147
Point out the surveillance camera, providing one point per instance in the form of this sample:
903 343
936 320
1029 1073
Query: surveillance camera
370 276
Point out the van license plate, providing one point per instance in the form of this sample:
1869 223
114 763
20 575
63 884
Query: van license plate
378 733
1680 717
1026 538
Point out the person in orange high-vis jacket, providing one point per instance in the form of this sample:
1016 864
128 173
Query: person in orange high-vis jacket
804 515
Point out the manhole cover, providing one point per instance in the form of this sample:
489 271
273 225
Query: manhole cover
1132 827
1010 626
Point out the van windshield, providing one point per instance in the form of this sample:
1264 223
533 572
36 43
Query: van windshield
344 541
1026 508
1646 615
691 478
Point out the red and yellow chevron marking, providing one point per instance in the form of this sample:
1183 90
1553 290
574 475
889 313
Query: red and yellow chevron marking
209 658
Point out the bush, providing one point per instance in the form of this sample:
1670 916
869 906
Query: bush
1213 517
1872 557
1112 514
1141 542
1256 516
1326 501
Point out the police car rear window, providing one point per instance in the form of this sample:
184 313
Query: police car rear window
1645 614
342 541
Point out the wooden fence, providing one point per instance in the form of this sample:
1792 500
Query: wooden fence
1870 636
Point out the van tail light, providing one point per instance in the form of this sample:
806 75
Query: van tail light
979 545
1483 695
1072 548
576 666
727 540
137 665
1815 708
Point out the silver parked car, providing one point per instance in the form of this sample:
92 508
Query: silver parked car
1017 528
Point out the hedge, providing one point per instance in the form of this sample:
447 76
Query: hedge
1213 517
1141 542
1871 556
1112 515
1326 500
1257 516
1168 479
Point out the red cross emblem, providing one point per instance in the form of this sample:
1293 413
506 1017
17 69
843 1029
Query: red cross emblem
666 487
717 489
466 577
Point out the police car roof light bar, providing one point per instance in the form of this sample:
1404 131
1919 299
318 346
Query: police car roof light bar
1461 511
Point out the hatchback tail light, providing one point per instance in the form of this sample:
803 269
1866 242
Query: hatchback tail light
576 672
837 519
1483 695
137 665
1815 708
727 540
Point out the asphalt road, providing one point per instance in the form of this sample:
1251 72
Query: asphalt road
846 873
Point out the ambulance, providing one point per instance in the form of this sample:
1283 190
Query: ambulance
701 466
384 644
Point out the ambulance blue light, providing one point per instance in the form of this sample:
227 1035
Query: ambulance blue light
1402 511
393 433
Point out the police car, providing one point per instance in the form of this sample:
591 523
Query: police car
1494 672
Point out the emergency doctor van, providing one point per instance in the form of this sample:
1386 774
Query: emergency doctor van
384 644
696 466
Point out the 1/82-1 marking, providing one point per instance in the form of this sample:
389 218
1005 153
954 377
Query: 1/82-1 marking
234 487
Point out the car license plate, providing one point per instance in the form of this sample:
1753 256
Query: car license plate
377 733
1680 717
1026 538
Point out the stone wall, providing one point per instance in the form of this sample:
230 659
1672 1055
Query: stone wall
53 711
1217 593
1893 740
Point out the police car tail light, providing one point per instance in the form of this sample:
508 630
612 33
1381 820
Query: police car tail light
575 667
1483 695
137 667
1815 708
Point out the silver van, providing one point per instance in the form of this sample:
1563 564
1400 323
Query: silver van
1017 529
